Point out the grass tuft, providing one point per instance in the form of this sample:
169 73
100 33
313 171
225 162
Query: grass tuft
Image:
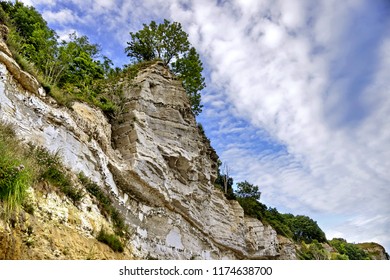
111 240
16 172
52 170
104 203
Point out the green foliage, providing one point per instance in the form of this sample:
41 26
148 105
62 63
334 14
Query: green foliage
247 190
339 257
79 58
16 172
52 170
164 41
313 251
252 207
305 229
300 228
169 43
280 222
30 36
69 70
105 205
189 69
111 240
352 251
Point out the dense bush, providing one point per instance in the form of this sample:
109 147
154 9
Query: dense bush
111 240
68 70
313 251
349 250
16 171
52 170
300 228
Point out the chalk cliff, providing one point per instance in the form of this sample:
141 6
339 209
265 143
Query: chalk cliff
156 163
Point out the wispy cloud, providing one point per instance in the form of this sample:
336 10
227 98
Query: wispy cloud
64 16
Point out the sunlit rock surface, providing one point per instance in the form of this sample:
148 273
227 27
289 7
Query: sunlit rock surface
156 162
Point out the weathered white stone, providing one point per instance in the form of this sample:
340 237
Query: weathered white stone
161 174
187 216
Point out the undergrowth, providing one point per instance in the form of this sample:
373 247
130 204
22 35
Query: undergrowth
105 205
111 240
23 165
52 170
16 171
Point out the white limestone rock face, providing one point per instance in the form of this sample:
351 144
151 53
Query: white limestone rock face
158 165
172 171
58 129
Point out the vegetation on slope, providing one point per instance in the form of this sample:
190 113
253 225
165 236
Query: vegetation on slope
75 69
16 171
23 166
169 43
309 237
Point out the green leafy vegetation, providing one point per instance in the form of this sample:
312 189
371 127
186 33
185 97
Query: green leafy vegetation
111 240
305 229
16 171
348 250
168 42
300 228
68 70
313 251
105 205
75 69
51 169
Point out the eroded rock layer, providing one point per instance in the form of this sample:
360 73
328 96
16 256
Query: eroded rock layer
157 163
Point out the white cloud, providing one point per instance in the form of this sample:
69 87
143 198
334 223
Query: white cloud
273 35
61 17
280 79
34 3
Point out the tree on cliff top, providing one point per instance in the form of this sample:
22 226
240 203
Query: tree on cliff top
168 42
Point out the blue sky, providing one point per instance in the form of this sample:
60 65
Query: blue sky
297 98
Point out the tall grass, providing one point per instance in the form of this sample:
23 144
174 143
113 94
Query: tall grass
16 171
106 206
21 166
111 240
52 170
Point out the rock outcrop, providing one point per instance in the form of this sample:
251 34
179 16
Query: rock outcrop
154 160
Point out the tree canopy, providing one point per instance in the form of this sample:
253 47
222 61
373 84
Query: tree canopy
168 42
300 228
69 69
247 190
305 229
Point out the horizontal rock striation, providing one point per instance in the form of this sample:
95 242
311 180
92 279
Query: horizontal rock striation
180 213
153 159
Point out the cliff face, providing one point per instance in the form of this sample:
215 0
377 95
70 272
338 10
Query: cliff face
172 202
154 160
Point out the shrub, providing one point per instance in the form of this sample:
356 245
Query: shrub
16 172
14 181
52 170
313 251
352 251
111 240
105 205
